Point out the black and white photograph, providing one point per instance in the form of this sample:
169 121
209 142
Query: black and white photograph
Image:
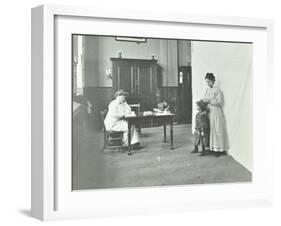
160 112
141 113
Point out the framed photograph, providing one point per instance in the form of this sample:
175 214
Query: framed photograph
161 114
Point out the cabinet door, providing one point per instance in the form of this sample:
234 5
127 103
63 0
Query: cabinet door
123 77
146 79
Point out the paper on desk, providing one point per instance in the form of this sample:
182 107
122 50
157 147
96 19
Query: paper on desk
163 113
145 113
132 113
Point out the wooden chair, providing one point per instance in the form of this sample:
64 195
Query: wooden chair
112 139
135 108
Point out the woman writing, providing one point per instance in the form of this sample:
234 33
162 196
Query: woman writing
114 121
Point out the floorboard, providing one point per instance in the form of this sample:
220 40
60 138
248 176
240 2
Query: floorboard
153 165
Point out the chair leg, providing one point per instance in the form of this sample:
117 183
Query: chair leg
104 141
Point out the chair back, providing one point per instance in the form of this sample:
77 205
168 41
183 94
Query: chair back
135 107
103 115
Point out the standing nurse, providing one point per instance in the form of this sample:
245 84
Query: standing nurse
218 141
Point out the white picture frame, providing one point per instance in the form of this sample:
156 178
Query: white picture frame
52 197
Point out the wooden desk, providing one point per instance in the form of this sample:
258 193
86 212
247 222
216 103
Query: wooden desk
137 120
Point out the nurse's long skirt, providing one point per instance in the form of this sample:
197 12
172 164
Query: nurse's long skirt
218 136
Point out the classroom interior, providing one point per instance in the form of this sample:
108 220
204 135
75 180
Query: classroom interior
150 70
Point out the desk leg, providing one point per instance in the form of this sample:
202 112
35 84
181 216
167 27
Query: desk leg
129 138
172 135
139 127
164 126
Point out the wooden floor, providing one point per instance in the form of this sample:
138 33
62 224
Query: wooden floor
153 165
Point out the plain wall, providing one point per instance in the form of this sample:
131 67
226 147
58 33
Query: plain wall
91 60
231 64
184 52
99 50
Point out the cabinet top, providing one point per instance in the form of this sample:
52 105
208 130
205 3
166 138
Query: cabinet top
132 59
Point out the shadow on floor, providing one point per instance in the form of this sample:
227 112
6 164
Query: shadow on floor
25 212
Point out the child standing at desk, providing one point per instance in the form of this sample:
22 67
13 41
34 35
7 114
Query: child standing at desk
162 106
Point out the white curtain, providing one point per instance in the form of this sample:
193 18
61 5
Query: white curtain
231 64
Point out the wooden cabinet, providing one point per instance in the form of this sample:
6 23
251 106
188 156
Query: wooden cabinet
138 77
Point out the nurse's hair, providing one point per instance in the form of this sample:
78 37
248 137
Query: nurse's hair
210 76
120 92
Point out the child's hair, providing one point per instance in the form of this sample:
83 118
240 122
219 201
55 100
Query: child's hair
202 105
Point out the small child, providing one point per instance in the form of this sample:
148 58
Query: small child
163 105
201 127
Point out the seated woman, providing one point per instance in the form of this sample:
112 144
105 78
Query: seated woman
114 119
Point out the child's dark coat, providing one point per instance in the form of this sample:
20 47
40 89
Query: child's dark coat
202 128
